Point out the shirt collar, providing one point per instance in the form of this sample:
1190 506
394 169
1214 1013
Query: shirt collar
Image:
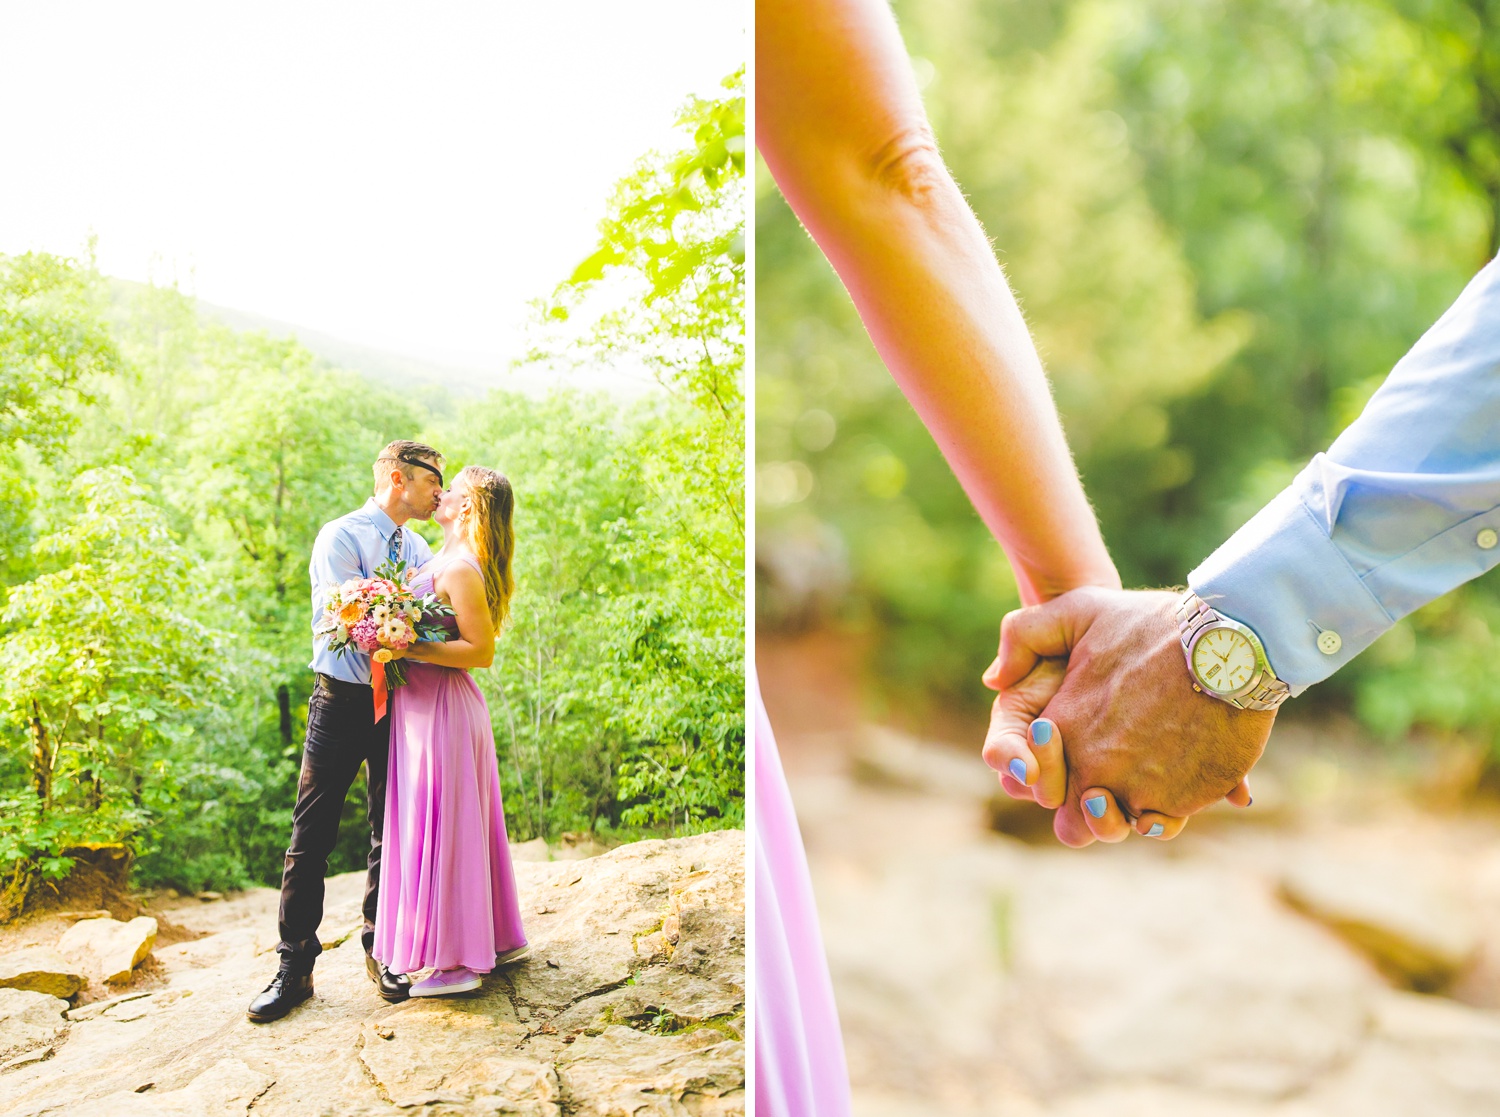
383 523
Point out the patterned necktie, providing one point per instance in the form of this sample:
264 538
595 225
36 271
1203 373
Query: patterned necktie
393 549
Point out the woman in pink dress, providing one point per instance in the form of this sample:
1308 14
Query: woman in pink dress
447 890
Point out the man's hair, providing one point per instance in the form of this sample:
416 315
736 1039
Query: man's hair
403 453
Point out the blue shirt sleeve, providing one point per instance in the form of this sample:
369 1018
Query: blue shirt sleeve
335 559
1403 507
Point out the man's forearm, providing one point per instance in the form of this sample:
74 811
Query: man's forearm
1403 507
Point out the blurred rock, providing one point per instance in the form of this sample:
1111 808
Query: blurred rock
1423 1055
41 970
107 948
1193 978
75 916
28 1021
534 850
888 758
1414 929
885 757
575 846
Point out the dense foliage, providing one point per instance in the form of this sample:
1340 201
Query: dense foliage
1225 221
168 477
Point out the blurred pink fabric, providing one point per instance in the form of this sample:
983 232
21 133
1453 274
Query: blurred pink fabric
799 1051
447 887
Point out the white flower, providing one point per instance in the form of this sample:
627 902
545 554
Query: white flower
393 632
340 634
381 613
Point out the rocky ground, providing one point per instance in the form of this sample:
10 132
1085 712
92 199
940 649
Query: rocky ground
632 1003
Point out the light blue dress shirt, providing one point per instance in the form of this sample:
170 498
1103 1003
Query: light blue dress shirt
1403 507
353 546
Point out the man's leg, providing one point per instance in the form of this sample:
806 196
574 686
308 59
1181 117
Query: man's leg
338 724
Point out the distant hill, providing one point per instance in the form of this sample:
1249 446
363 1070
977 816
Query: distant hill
443 382
461 378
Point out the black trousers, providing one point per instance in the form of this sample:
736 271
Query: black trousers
341 735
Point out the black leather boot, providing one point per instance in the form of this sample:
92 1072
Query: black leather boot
286 991
393 986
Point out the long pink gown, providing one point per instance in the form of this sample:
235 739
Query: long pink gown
447 889
799 1052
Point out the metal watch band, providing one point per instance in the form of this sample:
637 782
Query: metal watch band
1195 614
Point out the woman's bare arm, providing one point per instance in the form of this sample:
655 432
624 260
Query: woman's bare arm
462 585
840 123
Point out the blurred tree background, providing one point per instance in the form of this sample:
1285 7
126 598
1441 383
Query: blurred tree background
167 476
1225 222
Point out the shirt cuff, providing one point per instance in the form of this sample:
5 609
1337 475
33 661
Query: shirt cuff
1282 576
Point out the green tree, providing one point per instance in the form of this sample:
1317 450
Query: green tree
102 660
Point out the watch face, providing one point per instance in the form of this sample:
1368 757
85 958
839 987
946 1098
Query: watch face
1224 660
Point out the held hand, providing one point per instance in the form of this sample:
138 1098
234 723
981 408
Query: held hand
1143 745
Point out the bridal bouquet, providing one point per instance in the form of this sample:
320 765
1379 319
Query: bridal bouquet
377 616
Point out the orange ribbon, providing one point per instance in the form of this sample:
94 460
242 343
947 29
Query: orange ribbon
377 683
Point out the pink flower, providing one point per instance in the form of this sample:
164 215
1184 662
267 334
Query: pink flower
366 634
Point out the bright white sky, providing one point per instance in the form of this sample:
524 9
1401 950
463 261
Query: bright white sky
403 176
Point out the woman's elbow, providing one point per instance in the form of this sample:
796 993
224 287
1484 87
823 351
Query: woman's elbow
909 165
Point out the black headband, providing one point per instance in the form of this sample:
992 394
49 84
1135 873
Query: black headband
438 473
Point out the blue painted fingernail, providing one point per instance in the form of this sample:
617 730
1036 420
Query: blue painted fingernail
1156 831
1096 806
1018 770
1041 732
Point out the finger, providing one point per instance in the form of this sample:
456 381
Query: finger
1068 825
1162 827
1103 816
1046 631
1016 790
1011 714
1005 748
1051 784
1240 796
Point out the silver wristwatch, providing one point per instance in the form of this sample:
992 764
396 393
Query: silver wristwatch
1226 659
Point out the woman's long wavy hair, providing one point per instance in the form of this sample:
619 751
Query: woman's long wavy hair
487 528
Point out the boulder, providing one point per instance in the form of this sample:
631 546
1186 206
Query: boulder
41 970
28 1021
107 948
1417 932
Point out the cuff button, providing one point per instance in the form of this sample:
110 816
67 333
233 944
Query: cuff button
1487 539
1329 642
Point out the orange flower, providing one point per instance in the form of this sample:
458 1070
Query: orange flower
351 613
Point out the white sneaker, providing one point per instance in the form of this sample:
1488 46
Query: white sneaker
516 955
443 982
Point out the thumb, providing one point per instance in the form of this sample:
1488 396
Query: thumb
1046 631
1007 746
